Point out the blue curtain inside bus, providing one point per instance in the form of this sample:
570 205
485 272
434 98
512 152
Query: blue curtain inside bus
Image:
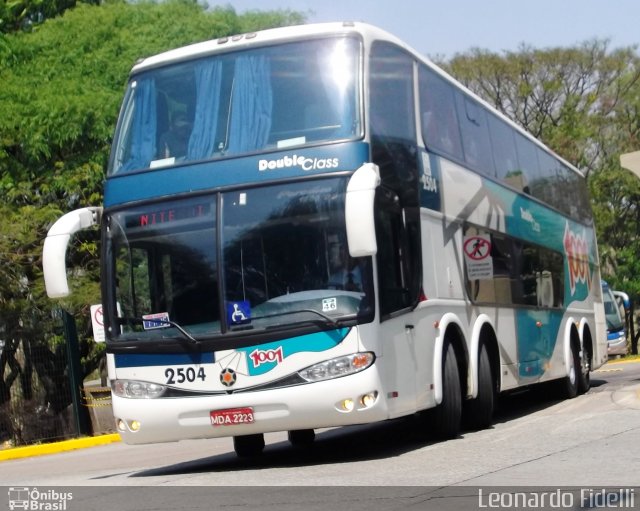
208 78
238 103
251 105
143 145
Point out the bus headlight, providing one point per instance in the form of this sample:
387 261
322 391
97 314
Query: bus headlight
337 367
137 389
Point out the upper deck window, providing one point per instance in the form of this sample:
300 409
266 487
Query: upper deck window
256 100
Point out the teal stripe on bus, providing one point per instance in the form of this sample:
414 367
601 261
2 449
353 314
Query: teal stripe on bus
267 167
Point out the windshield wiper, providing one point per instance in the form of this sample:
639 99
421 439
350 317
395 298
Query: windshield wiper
185 334
327 319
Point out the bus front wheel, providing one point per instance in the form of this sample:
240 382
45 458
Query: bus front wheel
302 437
248 446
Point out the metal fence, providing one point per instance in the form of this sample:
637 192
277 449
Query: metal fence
42 394
35 395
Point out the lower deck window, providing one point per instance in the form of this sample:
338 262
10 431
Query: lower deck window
508 271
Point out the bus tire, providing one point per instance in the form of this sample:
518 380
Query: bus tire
446 417
248 446
584 374
478 412
301 437
569 384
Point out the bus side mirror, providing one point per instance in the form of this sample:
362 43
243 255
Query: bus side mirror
358 209
55 248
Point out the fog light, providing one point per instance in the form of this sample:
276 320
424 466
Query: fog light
347 405
134 425
121 425
369 399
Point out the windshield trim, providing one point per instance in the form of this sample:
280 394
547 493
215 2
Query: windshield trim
197 334
357 132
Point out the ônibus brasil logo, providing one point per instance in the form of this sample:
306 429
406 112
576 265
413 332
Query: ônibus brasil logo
36 500
577 251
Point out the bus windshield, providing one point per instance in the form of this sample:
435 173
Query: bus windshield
263 99
280 257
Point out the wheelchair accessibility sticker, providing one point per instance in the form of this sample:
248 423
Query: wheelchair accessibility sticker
238 313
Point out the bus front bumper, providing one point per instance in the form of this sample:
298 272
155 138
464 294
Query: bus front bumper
353 399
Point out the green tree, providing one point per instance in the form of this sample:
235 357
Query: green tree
24 14
62 84
566 97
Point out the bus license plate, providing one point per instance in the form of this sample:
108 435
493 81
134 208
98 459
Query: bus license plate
232 416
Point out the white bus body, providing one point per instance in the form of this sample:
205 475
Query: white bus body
472 244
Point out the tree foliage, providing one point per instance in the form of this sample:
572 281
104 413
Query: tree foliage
567 97
62 84
24 14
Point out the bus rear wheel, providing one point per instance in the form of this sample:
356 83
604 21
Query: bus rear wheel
248 446
584 375
569 384
446 417
478 412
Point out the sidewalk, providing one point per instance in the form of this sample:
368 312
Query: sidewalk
57 447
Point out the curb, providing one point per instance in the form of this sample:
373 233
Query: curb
57 447
620 361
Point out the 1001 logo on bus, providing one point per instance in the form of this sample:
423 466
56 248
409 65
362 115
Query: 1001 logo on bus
259 357
577 252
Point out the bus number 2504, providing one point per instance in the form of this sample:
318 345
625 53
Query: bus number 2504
184 374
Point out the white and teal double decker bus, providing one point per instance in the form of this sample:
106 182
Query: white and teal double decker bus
313 227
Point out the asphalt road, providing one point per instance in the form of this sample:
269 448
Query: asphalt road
592 441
